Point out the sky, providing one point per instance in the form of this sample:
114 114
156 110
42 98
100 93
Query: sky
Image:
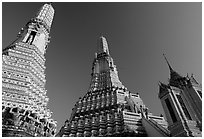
137 33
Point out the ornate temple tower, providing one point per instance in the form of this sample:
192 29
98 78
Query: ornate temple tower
108 108
182 103
24 100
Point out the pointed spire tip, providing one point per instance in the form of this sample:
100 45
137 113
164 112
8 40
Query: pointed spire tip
167 62
103 45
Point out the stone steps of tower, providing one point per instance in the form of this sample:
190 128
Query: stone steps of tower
133 121
136 126
129 121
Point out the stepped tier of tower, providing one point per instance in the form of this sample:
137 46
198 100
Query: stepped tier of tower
24 99
108 108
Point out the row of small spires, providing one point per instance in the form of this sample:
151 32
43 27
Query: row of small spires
112 88
191 79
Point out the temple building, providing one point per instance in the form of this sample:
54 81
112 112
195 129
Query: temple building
108 108
24 100
181 99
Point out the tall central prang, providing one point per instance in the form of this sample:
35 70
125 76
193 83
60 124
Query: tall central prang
104 72
108 108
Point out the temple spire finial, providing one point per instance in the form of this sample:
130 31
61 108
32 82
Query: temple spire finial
46 14
103 45
171 69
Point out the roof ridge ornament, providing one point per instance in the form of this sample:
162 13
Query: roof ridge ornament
192 79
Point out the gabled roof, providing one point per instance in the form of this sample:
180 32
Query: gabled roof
163 89
174 76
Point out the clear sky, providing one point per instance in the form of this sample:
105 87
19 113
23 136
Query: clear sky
137 33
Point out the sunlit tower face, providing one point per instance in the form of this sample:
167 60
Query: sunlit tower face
23 82
46 14
37 30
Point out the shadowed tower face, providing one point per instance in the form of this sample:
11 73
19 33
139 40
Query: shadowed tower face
24 99
108 108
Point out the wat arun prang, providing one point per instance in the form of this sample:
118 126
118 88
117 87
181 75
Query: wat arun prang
24 100
107 109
